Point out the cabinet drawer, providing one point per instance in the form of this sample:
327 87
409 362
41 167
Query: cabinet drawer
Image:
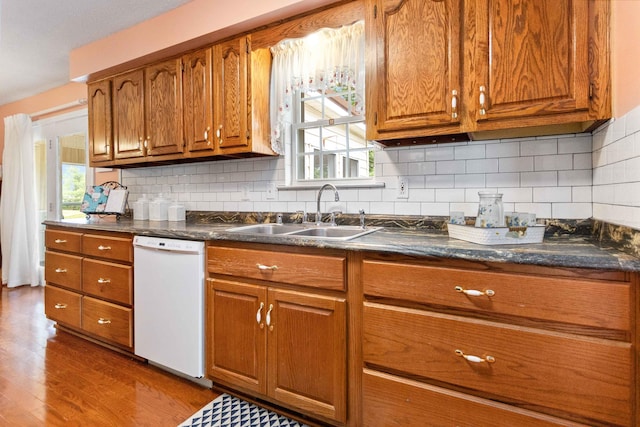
108 280
318 271
586 376
63 240
62 269
390 400
115 248
109 321
582 302
62 306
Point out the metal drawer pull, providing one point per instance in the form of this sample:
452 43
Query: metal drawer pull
475 293
269 317
104 321
60 306
60 241
104 248
267 267
259 316
103 281
60 270
475 359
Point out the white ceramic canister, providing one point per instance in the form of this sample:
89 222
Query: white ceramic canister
141 208
159 209
490 210
176 212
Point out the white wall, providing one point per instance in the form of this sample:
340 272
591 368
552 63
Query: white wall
551 176
616 171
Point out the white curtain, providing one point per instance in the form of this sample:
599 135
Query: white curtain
18 219
328 59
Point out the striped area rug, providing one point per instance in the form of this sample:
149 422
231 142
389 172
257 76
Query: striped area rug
229 411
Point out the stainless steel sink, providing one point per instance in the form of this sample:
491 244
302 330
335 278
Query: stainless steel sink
266 229
309 231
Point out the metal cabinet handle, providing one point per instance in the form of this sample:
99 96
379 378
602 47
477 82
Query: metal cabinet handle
103 321
60 270
206 134
475 359
454 104
104 248
59 241
483 101
219 135
269 317
474 292
60 306
103 281
259 315
267 267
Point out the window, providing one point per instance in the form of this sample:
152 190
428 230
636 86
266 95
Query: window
317 106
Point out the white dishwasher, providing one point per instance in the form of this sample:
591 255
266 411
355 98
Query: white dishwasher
169 303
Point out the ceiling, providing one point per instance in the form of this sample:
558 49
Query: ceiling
36 37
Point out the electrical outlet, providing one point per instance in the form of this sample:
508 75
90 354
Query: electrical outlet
403 187
244 192
271 191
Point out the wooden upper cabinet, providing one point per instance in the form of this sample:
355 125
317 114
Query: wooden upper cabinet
128 115
100 129
413 75
230 88
163 108
241 78
524 68
197 101
532 59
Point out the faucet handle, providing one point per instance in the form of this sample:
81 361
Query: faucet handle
361 212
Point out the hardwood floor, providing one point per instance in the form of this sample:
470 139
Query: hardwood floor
52 378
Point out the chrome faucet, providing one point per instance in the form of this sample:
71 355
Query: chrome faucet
337 196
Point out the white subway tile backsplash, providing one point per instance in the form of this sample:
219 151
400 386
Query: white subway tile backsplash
450 167
539 179
554 162
561 176
482 166
515 164
538 147
552 194
505 149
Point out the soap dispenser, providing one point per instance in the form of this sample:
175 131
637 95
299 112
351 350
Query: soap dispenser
141 208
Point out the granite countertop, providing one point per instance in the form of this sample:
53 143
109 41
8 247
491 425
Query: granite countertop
565 250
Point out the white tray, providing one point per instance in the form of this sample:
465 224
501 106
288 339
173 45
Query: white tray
497 236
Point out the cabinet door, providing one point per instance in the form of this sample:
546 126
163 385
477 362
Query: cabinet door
163 108
231 92
128 115
198 107
236 335
307 352
413 50
100 128
532 59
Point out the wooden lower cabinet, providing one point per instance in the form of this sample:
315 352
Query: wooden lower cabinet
286 345
89 289
452 342
395 401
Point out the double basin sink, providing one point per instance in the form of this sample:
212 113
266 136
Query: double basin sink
305 230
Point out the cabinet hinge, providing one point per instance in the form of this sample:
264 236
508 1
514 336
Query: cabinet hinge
375 118
375 11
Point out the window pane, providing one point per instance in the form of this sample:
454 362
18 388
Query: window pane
72 162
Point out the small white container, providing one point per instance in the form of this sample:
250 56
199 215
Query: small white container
141 208
176 212
159 209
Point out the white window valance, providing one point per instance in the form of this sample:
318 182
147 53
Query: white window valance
329 59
